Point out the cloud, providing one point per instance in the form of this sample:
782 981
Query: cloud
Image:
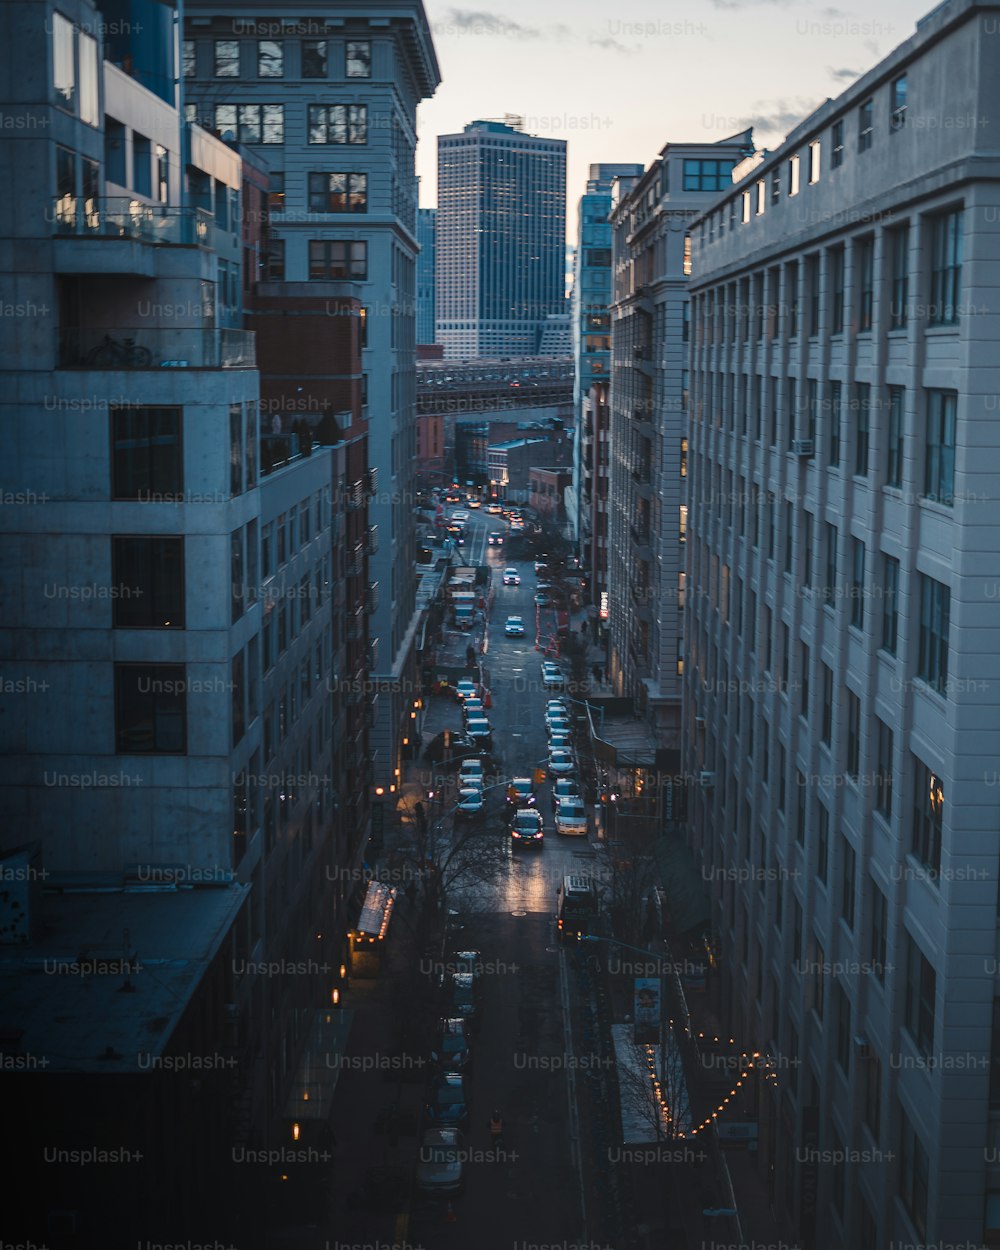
844 75
477 22
606 41
834 15
731 5
781 117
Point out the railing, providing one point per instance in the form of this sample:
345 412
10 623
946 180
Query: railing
159 347
118 217
371 603
372 539
354 498
371 482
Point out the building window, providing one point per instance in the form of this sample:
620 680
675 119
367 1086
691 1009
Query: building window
863 430
946 267
150 709
848 865
359 59
879 943
899 255
836 404
837 144
90 111
189 58
338 123
162 186
857 583
935 608
314 63
890 597
812 282
830 574
807 542
836 267
928 816
842 1047
883 769
238 685
270 58
793 175
814 149
148 578
237 580
761 196
894 461
274 265
939 465
63 62
914 1173
332 260
918 1008
745 215
873 1099
687 256
866 282
775 185
338 193
707 175
146 462
865 125
853 705
227 58
897 104
253 124
826 709
142 164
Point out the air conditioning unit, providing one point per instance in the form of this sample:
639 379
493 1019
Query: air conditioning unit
863 1047
803 447
707 779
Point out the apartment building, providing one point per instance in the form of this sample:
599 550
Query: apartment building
426 274
840 695
650 219
301 88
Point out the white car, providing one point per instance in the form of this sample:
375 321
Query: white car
459 515
514 627
511 577
571 817
478 727
495 509
474 503
561 763
540 567
470 801
439 1172
473 707
556 707
560 742
564 788
557 725
466 689
552 678
471 771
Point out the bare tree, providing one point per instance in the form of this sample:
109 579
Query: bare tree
652 1087
632 873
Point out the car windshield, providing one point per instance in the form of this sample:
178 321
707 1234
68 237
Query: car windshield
572 810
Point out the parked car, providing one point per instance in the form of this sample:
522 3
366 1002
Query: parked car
511 577
447 1101
552 677
472 770
564 788
440 1167
542 599
527 827
557 707
560 763
555 722
452 1047
462 998
514 627
470 802
560 742
479 727
471 705
466 689
571 817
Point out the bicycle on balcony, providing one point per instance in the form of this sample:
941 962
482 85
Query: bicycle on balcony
126 354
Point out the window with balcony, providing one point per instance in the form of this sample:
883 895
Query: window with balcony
935 608
939 462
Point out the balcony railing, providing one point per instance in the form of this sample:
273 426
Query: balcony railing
372 539
140 347
371 482
355 562
118 217
354 499
371 603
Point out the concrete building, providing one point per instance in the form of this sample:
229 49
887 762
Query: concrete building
547 490
841 693
269 74
650 219
501 239
182 771
590 318
509 463
426 279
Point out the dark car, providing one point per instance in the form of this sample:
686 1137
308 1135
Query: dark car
462 999
440 1162
447 1102
452 1048
527 828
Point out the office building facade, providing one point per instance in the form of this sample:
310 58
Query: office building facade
501 240
841 686
426 280
302 90
650 218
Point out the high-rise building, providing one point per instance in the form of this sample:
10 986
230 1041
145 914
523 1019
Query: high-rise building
501 240
650 218
842 701
591 322
303 91
175 753
426 270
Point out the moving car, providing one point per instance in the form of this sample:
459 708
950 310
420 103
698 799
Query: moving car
440 1165
555 722
470 801
514 627
560 742
511 577
557 707
478 727
494 538
527 827
540 567
560 763
462 997
521 793
466 689
564 788
474 503
495 509
473 707
447 1101
460 515
571 817
472 770
552 677
542 598
452 1049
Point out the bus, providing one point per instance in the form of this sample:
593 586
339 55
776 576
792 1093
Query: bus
577 907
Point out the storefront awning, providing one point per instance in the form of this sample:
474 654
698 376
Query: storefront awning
376 909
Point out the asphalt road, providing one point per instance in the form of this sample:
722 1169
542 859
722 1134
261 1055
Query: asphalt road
532 1194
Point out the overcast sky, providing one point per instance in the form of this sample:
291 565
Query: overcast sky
618 80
